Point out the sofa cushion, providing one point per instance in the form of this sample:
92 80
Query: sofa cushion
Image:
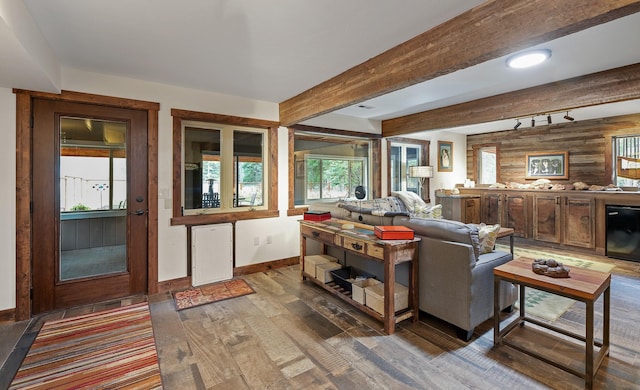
447 230
384 207
487 236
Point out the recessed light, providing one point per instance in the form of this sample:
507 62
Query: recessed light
528 58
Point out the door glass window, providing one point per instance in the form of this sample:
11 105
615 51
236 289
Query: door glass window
93 198
401 158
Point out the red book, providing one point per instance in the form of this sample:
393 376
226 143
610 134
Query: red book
394 233
317 215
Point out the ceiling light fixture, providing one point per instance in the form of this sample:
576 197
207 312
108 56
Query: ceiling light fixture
549 118
528 58
569 118
533 122
518 123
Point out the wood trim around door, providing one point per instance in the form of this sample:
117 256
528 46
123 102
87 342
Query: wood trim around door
24 184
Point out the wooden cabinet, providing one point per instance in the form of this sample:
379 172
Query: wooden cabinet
516 214
565 219
579 228
492 208
508 210
546 218
571 218
460 208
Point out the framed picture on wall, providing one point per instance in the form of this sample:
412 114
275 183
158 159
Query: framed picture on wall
547 165
445 156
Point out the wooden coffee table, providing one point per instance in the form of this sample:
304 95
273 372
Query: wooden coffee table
583 285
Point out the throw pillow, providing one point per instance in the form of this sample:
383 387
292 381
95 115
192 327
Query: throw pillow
410 199
487 235
428 211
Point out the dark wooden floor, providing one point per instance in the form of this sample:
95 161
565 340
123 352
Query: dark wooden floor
293 335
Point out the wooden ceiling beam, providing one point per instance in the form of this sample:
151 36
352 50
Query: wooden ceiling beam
608 86
491 30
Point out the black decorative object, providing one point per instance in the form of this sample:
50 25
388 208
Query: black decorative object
360 192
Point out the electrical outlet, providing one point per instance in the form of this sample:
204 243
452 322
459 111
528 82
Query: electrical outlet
268 239
256 241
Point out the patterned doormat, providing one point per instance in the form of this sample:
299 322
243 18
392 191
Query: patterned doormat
202 295
545 305
108 349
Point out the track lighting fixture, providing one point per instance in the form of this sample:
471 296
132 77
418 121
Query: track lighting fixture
549 118
518 123
569 118
533 122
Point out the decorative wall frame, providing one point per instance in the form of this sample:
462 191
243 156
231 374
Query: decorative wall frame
445 156
547 165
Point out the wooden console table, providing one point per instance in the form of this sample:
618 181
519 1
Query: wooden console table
362 241
583 285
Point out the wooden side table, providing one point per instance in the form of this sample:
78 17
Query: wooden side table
583 285
363 242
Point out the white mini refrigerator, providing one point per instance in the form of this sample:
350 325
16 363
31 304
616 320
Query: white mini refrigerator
211 253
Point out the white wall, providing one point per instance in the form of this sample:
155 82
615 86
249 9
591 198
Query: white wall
260 240
8 199
459 174
172 247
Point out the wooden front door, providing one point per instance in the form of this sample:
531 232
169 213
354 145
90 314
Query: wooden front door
89 206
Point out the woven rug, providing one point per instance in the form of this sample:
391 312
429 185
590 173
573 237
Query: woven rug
197 296
111 349
545 305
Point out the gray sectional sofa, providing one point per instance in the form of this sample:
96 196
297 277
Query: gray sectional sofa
455 277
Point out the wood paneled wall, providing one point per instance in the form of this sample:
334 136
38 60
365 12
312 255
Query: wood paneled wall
588 143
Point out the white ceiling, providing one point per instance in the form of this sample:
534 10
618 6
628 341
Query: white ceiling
274 50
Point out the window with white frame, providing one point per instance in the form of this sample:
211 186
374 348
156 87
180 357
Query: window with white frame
401 158
329 168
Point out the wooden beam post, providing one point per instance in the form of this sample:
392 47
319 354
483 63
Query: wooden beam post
491 30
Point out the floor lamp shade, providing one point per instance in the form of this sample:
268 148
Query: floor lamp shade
421 172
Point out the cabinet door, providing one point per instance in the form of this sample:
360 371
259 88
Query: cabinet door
579 215
546 218
492 209
472 210
516 214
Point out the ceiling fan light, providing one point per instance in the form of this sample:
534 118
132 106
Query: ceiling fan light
528 59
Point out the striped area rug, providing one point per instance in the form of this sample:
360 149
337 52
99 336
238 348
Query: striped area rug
112 349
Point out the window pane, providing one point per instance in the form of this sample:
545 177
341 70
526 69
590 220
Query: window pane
93 181
487 169
395 160
402 157
627 168
248 183
200 146
412 160
333 167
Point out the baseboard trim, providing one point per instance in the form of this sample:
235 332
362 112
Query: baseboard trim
8 315
185 282
174 284
262 267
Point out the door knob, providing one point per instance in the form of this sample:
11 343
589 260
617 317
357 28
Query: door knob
138 212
